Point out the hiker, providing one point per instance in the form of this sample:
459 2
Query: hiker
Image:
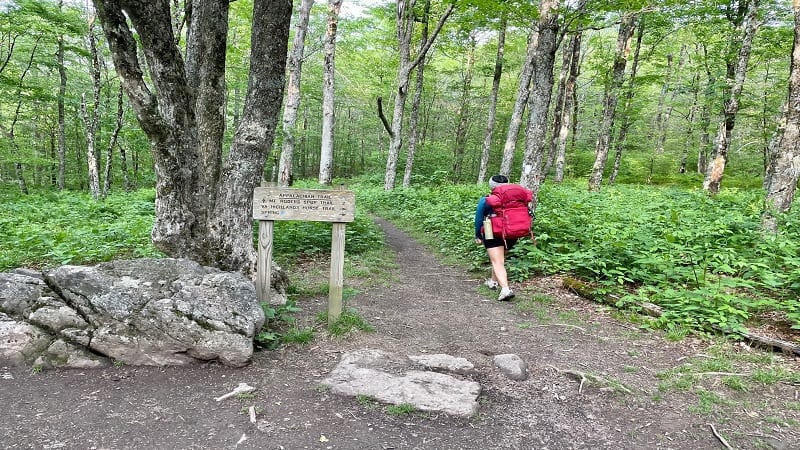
498 241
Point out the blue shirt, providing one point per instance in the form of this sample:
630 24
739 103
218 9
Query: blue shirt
481 212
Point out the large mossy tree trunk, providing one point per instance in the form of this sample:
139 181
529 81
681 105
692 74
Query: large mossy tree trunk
539 98
203 204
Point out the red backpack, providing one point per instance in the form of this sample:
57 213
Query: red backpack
512 219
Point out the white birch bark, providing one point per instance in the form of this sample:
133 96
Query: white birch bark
295 66
626 113
405 21
783 180
328 94
626 28
523 91
574 50
716 167
92 119
539 104
413 121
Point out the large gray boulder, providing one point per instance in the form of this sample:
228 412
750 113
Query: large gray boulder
138 312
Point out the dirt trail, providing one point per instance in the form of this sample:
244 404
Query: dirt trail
429 308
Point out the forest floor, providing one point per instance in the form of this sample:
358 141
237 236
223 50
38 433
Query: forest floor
641 391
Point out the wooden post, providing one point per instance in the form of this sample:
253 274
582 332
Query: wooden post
336 206
336 283
264 263
264 257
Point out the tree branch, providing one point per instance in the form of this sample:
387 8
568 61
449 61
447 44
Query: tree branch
383 118
427 45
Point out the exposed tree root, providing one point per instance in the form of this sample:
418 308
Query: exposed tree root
721 439
583 377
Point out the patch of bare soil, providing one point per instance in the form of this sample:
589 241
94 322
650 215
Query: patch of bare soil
595 383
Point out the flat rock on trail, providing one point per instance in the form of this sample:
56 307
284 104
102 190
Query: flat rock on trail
428 308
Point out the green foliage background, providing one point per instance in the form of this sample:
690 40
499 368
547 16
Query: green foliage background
704 260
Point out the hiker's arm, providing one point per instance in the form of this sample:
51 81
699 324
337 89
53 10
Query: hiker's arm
480 213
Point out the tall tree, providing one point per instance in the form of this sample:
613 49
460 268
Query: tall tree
108 174
328 94
737 71
295 69
492 115
404 20
539 98
572 56
62 89
783 181
413 120
11 131
625 126
610 99
203 204
463 113
520 102
704 151
91 118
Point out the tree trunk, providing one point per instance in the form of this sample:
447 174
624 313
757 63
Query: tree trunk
498 74
328 94
626 28
460 142
405 21
521 102
654 132
92 120
705 116
716 168
295 66
626 113
11 133
572 58
123 167
62 89
558 108
690 123
107 179
783 182
539 98
205 74
242 171
413 121
210 223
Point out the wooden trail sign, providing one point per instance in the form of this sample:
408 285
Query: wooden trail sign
319 205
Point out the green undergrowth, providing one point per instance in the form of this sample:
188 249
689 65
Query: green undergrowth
54 228
704 260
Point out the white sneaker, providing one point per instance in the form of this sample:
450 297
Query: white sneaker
505 294
491 284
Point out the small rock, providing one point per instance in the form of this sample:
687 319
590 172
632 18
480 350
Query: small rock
512 366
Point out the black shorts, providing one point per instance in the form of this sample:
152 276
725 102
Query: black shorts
499 242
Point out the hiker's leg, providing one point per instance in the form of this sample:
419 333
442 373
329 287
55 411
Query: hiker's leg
497 256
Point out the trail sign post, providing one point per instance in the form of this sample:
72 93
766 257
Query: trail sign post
320 205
